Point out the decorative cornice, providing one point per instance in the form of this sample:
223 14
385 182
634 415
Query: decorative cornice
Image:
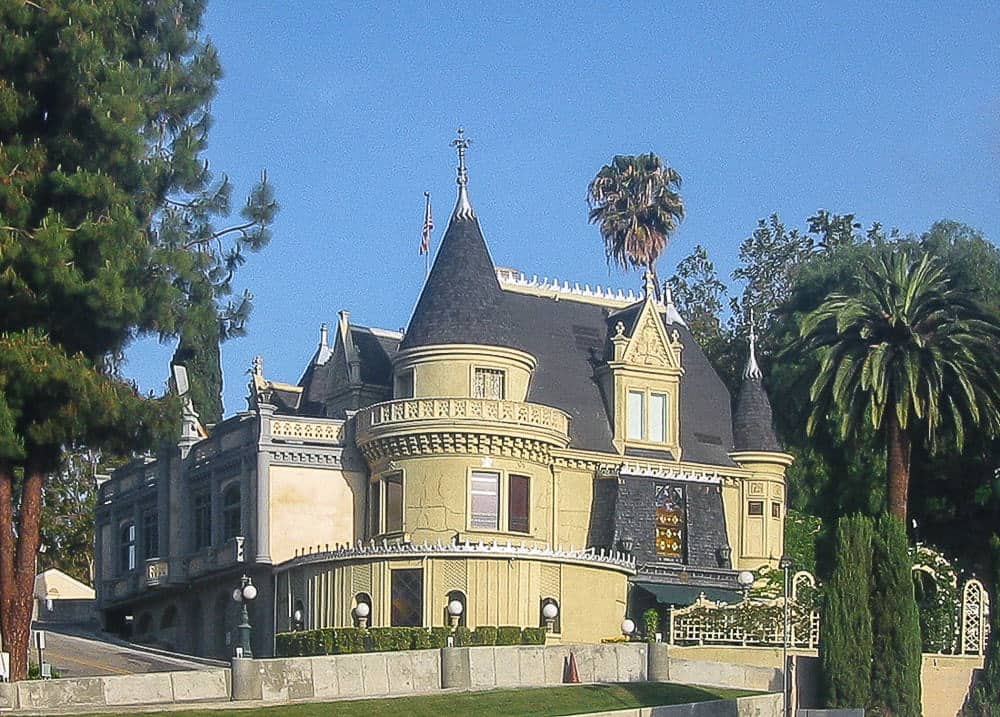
416 444
615 560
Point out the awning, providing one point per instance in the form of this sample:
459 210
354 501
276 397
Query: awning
673 594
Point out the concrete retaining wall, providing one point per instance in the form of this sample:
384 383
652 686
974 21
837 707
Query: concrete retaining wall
761 706
118 691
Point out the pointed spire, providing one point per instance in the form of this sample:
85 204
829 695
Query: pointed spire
752 371
463 208
672 315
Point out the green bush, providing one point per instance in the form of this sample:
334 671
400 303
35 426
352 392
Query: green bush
463 637
508 635
845 647
533 636
484 635
329 641
351 640
438 636
422 639
390 639
281 644
651 622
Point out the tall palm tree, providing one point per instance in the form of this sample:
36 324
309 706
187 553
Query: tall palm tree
908 354
635 202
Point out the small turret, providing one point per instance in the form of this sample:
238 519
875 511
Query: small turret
753 429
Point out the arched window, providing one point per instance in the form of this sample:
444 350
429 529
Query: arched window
126 544
359 600
169 618
459 597
232 512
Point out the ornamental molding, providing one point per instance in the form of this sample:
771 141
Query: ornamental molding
606 465
304 457
591 557
456 443
313 430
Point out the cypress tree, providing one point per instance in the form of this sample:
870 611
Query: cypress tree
845 647
985 698
896 653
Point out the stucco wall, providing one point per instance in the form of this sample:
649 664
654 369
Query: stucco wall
310 507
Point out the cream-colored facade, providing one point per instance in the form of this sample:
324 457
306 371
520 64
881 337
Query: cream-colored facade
524 443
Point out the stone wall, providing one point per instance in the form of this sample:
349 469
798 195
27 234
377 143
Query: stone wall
118 691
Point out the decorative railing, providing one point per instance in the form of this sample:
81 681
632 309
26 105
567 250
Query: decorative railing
751 622
386 549
513 413
307 431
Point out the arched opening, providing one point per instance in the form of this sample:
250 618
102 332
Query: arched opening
298 616
362 612
169 618
450 608
232 513
144 624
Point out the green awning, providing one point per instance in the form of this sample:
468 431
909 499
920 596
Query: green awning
673 594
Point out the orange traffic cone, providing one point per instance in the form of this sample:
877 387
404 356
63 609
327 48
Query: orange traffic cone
571 676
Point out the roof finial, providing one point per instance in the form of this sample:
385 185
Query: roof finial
752 371
671 314
649 285
257 368
463 208
323 335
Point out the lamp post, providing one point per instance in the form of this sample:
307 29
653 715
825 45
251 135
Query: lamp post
786 565
361 612
550 612
455 609
246 592
745 580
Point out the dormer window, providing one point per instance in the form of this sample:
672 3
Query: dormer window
489 383
647 416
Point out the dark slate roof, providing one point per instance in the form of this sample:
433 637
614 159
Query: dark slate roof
376 354
753 429
460 301
569 339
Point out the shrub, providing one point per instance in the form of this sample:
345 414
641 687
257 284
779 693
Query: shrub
463 636
329 641
651 622
896 659
533 636
484 635
390 639
508 635
845 647
281 644
351 640
438 637
421 639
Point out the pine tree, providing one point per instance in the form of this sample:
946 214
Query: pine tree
896 649
845 647
106 211
985 698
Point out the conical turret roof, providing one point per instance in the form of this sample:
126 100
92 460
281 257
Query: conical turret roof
461 300
753 422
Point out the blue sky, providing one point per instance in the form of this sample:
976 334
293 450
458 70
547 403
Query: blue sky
890 112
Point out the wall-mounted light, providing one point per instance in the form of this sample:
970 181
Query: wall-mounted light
550 611
628 627
455 610
361 612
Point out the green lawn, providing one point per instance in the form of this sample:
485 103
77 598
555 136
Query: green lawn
568 700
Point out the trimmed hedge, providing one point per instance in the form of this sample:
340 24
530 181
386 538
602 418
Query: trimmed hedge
350 640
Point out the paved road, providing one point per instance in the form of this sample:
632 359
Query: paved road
75 656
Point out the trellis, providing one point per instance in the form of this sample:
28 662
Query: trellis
975 624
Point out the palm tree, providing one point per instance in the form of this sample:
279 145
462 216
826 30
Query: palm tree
634 201
908 354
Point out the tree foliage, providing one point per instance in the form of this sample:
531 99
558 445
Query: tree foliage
106 212
845 647
907 352
698 294
896 647
635 202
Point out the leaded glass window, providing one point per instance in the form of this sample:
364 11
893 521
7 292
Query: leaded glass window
489 383
670 521
150 534
485 490
407 598
518 504
202 514
393 502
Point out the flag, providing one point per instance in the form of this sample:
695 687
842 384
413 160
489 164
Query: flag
425 237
